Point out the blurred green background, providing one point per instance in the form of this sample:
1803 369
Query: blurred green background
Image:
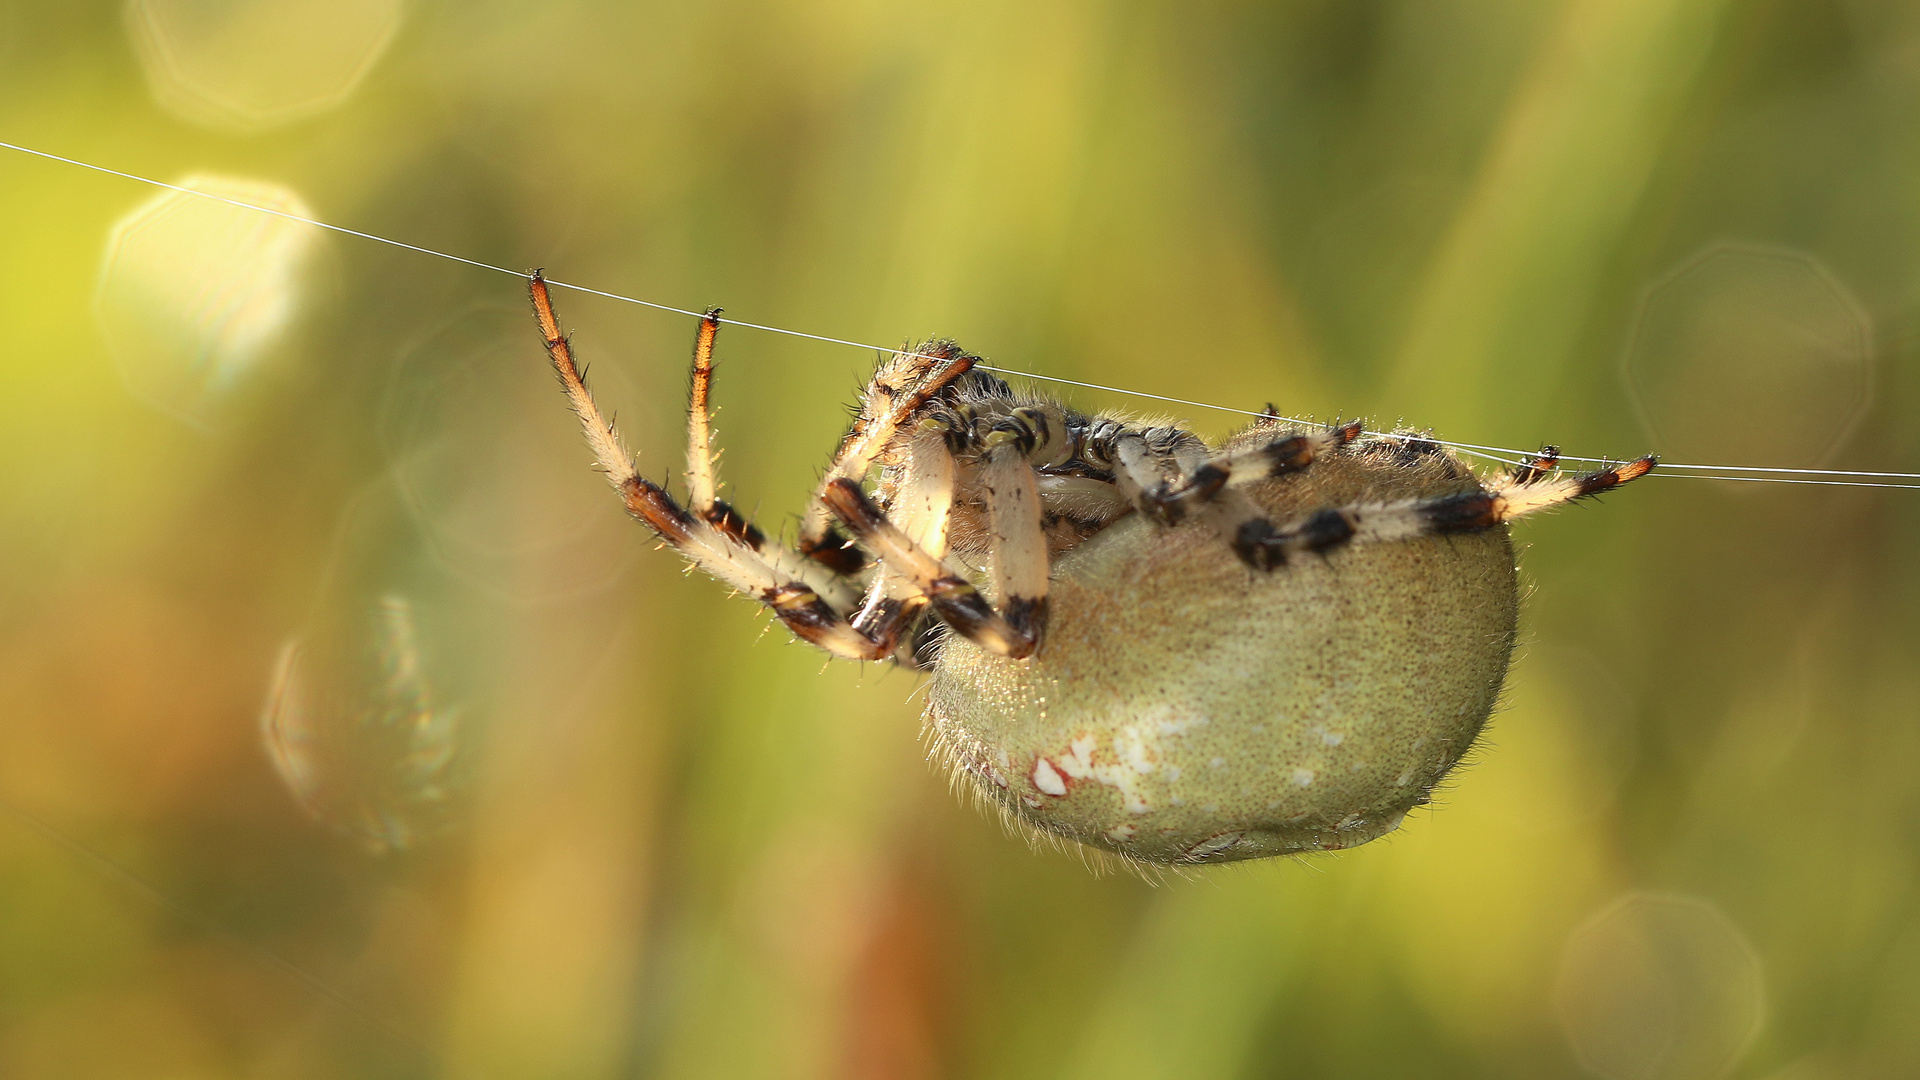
530 803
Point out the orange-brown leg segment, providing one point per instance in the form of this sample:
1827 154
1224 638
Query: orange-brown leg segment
740 557
1539 468
898 391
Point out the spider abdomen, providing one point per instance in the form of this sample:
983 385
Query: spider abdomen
1186 708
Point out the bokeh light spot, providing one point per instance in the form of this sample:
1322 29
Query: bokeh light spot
247 65
1659 986
357 732
192 291
1750 356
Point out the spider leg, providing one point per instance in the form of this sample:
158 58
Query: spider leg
1143 457
1520 496
923 505
1017 543
703 474
1264 546
740 557
898 391
1539 468
1014 632
1016 539
1170 503
703 478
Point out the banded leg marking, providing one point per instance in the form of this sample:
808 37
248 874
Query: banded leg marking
702 482
1539 468
737 556
1140 467
954 598
922 504
1264 547
703 471
899 390
1017 542
1171 503
703 479
1534 495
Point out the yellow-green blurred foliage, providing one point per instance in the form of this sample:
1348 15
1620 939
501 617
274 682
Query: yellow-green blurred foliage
536 805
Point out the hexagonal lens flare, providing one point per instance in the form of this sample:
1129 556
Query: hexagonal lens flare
1752 356
1659 986
193 292
249 65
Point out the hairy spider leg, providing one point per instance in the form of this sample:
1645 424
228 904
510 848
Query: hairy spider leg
1501 500
1170 503
1143 457
703 481
922 503
703 478
702 474
898 391
1539 468
1013 631
1017 542
768 572
1216 487
1511 498
914 572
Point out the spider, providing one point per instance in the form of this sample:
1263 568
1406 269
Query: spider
1175 652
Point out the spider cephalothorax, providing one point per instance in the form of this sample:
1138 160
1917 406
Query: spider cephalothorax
1175 652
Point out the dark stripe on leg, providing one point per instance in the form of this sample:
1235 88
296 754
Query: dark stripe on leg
1258 545
1026 616
1169 506
813 620
738 529
1469 512
1296 453
657 510
1288 455
850 503
1537 469
835 552
1205 483
886 621
1325 530
961 606
1594 483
